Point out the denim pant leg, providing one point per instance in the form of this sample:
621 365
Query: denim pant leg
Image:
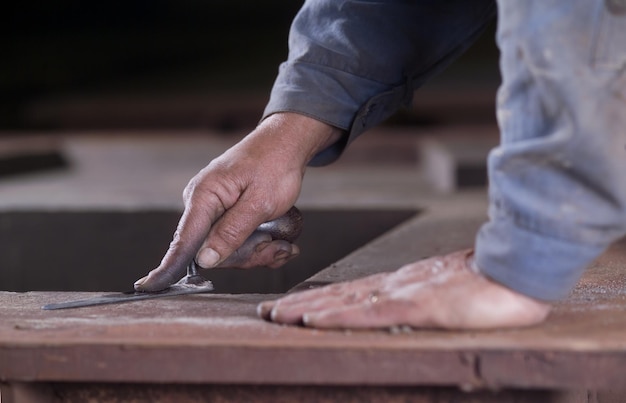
558 179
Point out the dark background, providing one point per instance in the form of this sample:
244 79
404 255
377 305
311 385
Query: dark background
75 71
151 64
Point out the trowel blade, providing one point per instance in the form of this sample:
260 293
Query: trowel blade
120 297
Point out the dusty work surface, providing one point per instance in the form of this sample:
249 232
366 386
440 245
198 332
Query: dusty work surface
219 339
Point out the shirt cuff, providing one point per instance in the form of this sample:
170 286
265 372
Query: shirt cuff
332 96
532 264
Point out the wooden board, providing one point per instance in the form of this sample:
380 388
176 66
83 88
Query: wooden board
218 339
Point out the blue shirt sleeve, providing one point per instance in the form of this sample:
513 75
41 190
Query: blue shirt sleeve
352 64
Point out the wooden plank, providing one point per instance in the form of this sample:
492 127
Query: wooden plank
218 339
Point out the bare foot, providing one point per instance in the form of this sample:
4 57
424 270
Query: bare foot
440 292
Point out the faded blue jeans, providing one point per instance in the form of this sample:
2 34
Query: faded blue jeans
558 179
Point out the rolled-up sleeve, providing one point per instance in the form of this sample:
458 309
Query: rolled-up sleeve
557 181
352 64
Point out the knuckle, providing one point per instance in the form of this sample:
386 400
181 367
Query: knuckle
230 235
176 241
192 187
211 189
262 207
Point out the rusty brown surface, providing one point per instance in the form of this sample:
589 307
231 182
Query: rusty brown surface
218 339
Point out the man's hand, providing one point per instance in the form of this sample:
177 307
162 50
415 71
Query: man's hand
440 292
255 181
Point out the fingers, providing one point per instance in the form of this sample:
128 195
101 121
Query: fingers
293 307
231 232
378 300
292 314
259 250
357 310
256 250
191 232
364 315
270 245
269 309
254 181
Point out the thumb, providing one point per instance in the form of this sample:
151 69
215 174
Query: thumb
219 246
230 232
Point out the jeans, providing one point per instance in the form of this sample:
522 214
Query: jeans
558 179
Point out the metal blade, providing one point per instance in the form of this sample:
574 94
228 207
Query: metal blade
120 297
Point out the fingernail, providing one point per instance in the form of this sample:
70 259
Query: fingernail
261 246
283 254
207 258
273 315
141 281
264 309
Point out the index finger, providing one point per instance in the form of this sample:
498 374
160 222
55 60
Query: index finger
192 229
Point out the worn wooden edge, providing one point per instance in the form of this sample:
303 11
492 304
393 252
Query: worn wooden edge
468 370
236 365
